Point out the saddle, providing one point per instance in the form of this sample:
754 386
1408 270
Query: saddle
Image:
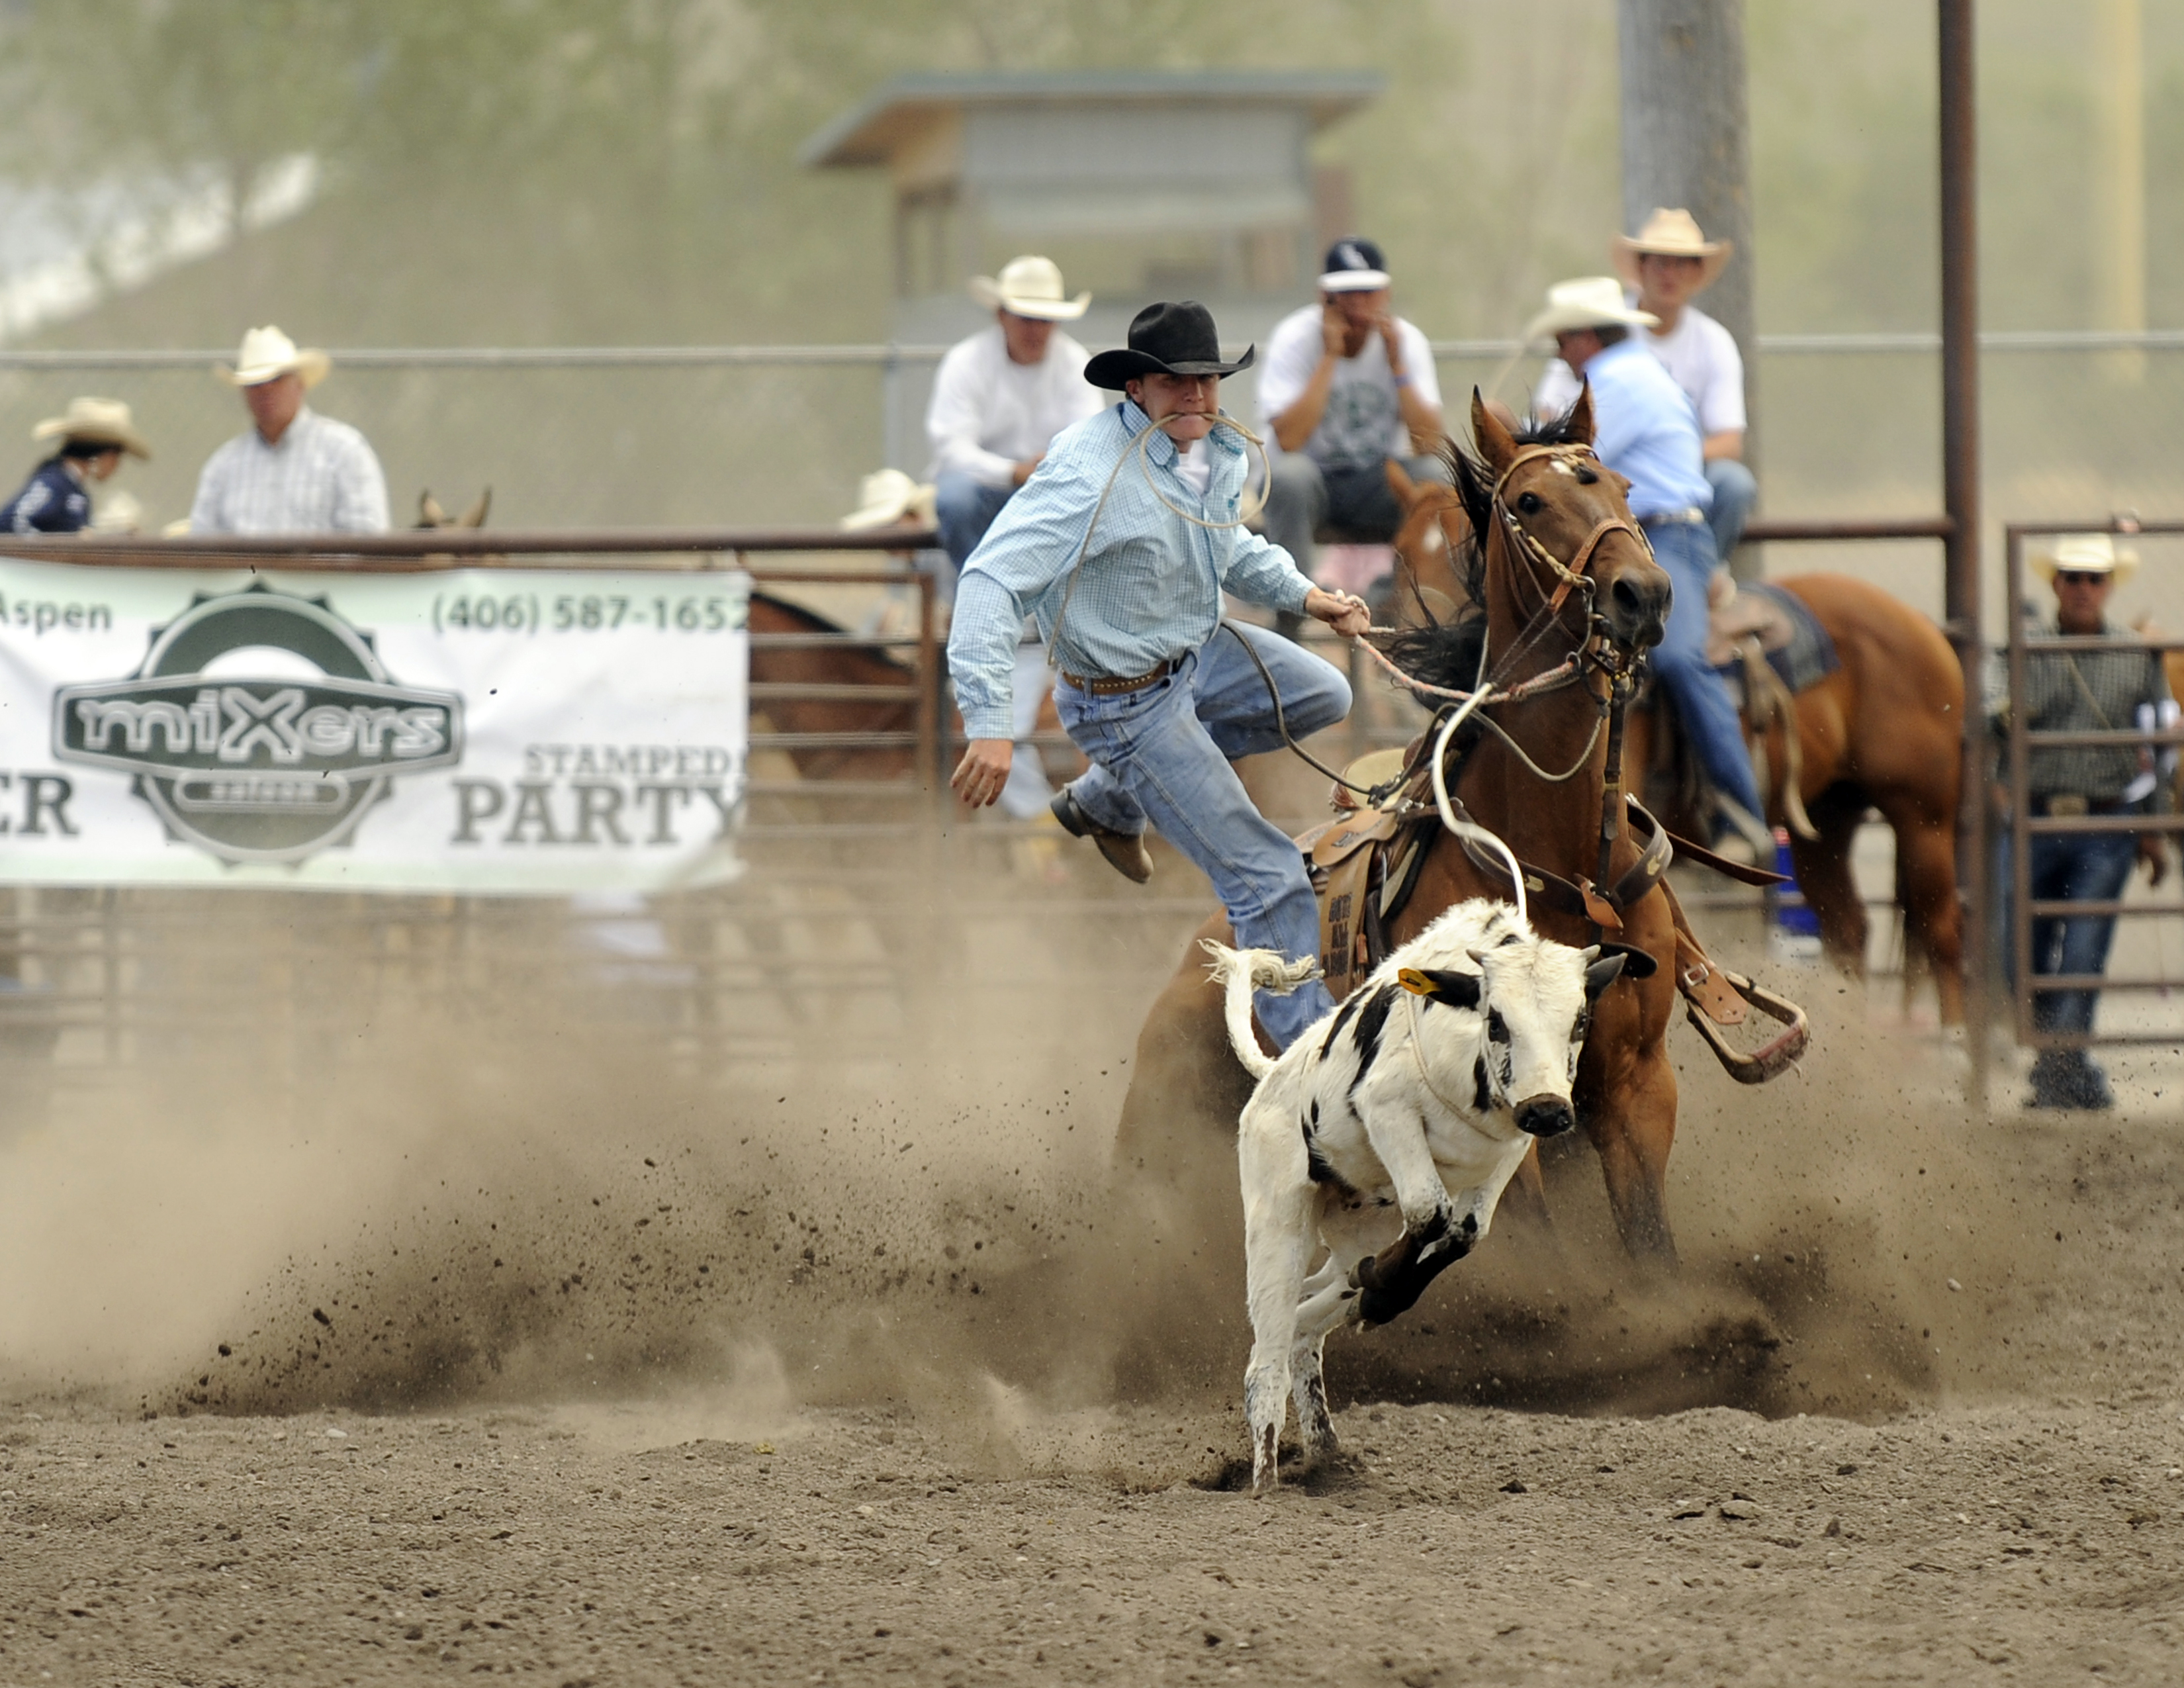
1755 620
1365 864
1767 646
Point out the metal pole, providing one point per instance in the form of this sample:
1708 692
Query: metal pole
931 750
1960 480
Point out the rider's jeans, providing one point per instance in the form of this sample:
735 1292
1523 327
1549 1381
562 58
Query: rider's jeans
1162 755
1685 550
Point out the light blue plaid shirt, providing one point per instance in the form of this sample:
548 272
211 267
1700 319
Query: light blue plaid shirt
1151 581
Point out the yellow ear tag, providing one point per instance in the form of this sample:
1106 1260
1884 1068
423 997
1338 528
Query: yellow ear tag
1415 982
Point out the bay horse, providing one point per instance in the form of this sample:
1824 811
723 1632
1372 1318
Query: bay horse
831 665
1538 489
1882 731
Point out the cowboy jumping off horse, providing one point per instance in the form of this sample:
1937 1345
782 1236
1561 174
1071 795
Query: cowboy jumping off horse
1120 544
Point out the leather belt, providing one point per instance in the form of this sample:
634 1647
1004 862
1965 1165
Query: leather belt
1135 683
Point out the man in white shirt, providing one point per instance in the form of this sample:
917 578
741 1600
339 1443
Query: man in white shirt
1346 385
1001 395
295 472
1665 266
998 399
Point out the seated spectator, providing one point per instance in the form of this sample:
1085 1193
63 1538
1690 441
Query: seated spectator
93 434
1347 385
1666 265
1001 396
295 472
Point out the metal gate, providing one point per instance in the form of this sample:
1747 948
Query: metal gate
2147 986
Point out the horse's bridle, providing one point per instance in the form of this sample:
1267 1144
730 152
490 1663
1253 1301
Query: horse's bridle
1597 650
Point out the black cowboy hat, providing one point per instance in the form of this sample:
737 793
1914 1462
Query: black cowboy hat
1166 339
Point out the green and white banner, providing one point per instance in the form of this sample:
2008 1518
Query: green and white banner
494 730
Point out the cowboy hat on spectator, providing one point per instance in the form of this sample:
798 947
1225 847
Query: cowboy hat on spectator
886 497
1029 286
267 354
95 422
2084 554
1672 234
1589 302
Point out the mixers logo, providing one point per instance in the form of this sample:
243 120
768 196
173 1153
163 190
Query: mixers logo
254 769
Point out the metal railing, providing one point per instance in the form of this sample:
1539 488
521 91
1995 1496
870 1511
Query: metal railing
2023 826
665 550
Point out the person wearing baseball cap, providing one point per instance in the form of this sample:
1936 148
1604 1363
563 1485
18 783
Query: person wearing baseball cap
93 434
1644 429
1120 545
1665 266
1347 386
295 472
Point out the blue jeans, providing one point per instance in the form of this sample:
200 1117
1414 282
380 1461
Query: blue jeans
1733 493
2086 867
964 509
1162 756
1685 550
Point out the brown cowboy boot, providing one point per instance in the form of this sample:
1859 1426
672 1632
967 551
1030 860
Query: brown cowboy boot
1126 852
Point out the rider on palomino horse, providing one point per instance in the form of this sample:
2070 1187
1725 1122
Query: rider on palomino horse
1649 434
1121 544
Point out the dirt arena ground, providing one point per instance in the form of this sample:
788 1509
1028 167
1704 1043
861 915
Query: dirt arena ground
584 1371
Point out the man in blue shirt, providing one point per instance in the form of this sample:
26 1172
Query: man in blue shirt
1120 546
1646 430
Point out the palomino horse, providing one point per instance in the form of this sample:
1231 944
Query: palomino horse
1537 494
1881 731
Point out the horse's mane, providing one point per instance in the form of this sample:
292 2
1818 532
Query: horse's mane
1474 485
1447 656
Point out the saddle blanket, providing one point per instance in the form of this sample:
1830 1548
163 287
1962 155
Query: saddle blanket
1798 646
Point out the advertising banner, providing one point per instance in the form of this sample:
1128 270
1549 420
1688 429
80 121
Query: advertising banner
485 730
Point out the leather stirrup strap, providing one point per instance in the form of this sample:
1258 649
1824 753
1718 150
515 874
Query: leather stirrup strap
1644 823
1576 898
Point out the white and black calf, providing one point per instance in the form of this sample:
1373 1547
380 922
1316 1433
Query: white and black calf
1388 1132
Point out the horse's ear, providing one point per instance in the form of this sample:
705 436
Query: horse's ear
1401 484
1497 444
475 514
1580 414
1602 973
429 513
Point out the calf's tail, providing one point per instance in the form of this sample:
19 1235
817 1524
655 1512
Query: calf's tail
1242 972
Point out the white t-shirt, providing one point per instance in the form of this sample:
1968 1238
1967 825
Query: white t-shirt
988 413
1193 466
1698 352
1362 425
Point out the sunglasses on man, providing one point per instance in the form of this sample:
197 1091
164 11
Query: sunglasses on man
2081 576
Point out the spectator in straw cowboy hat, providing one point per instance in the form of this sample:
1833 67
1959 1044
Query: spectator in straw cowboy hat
295 472
2086 691
93 434
1001 396
1666 265
1644 429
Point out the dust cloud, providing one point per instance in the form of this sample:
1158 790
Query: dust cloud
528 1209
